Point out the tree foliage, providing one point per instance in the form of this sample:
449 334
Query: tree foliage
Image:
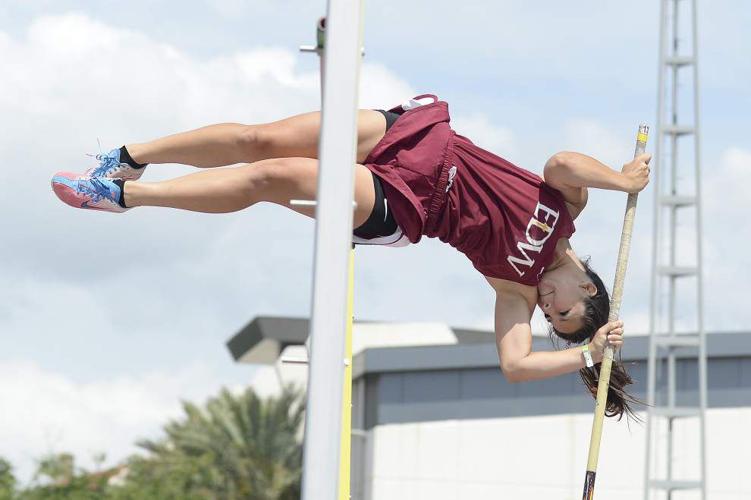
234 447
7 480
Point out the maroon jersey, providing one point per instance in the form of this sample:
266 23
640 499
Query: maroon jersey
505 219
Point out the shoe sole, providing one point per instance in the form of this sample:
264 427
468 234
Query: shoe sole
64 191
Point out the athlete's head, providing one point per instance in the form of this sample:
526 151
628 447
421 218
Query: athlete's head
574 300
583 298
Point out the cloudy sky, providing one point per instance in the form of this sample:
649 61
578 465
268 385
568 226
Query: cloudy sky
108 320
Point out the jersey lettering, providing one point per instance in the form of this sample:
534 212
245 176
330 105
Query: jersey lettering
539 229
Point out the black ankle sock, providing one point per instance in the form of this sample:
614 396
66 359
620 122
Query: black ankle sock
121 184
125 157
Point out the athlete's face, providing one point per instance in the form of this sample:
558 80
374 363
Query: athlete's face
561 294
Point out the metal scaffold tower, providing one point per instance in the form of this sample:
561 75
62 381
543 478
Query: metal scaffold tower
677 366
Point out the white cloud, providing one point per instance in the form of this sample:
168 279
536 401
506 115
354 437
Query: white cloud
228 8
478 127
590 135
727 236
726 186
46 411
381 88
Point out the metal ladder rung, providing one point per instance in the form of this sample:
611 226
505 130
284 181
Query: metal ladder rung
677 271
666 484
678 201
678 130
685 340
676 411
679 61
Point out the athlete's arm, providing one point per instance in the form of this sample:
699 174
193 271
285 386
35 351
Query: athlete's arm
513 311
572 173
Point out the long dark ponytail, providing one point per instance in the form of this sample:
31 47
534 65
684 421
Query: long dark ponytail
596 311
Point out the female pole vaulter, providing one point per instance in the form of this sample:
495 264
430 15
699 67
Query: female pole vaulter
414 176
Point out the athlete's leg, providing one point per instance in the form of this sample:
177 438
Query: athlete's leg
230 143
231 189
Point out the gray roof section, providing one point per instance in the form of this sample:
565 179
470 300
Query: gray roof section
265 337
484 354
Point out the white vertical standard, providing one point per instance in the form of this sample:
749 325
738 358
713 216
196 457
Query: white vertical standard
333 242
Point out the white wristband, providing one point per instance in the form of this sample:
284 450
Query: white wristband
587 356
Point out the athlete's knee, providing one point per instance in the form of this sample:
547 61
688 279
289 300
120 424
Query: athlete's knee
267 177
256 140
560 159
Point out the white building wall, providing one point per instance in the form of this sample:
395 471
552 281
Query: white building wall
543 458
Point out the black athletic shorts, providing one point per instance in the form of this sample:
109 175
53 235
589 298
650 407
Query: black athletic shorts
380 222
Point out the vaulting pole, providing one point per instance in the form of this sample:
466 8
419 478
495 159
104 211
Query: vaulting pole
615 306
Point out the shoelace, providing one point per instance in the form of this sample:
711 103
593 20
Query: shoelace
95 188
107 163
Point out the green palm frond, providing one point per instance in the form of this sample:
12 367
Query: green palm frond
237 446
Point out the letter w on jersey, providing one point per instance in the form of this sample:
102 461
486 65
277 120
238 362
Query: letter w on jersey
539 229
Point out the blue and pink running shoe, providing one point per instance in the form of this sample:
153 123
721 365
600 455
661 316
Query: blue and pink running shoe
111 167
95 193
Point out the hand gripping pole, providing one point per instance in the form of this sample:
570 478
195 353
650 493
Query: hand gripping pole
615 306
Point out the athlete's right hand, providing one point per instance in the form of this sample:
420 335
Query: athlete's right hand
636 173
611 334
